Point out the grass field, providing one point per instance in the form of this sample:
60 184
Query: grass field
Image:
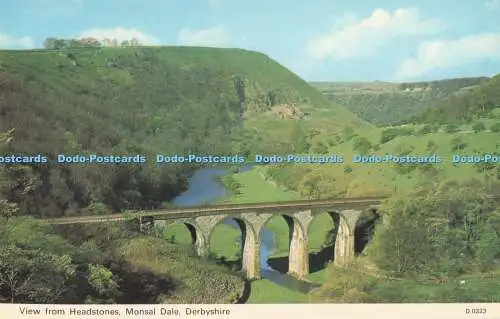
265 291
359 179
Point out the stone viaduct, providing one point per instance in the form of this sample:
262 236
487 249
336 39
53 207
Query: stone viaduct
251 222
251 219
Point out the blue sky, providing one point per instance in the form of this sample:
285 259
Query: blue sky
321 40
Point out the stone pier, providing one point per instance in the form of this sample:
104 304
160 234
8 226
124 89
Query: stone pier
344 243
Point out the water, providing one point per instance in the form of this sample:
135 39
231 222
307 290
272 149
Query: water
203 187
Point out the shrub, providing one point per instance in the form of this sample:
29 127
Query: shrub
362 145
451 128
458 144
431 146
392 133
478 127
426 130
347 169
495 127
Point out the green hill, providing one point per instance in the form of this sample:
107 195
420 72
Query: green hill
466 122
479 101
384 103
147 100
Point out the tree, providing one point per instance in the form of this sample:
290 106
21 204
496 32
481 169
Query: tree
50 43
90 42
8 210
36 276
436 230
310 186
135 42
451 128
321 148
431 146
458 144
495 128
478 127
103 282
53 43
487 248
362 145
426 129
96 208
299 140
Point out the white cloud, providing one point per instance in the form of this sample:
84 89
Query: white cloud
451 53
13 42
362 37
493 4
119 34
215 37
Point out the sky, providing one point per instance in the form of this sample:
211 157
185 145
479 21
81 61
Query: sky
320 40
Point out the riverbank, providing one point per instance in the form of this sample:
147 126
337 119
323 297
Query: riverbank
247 187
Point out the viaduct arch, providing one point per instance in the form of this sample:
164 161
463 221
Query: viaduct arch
251 225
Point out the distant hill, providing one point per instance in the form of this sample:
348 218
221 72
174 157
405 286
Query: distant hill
137 100
385 103
466 105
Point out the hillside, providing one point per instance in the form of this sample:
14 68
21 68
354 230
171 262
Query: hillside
465 122
128 101
384 103
460 108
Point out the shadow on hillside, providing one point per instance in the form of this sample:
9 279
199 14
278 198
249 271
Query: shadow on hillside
234 265
247 290
144 287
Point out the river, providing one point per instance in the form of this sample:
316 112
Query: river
204 187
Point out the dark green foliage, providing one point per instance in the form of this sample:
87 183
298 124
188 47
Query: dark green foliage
428 129
382 108
447 85
484 167
231 184
392 133
320 148
362 145
431 146
299 139
435 232
457 144
478 127
348 133
35 265
451 128
495 127
128 101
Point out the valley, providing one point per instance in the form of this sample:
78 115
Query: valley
183 100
